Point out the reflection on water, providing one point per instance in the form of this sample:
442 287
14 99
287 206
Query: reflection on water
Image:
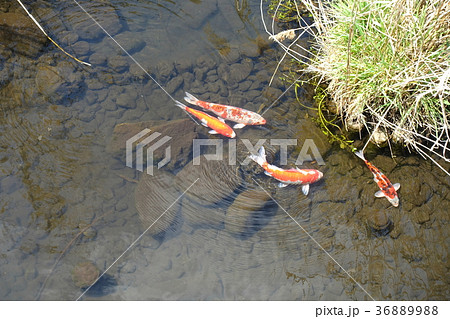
225 232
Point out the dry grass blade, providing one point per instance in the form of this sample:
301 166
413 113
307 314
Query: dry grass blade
42 29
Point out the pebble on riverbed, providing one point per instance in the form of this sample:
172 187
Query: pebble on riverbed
85 274
379 222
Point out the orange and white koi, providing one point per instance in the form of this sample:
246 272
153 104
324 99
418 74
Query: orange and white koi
217 125
386 188
296 175
231 113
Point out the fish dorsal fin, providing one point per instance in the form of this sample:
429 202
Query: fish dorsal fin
379 194
221 119
396 186
305 189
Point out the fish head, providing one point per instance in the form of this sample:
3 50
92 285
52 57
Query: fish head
319 175
256 119
262 121
394 201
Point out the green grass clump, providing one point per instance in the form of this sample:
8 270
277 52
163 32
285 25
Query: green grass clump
386 65
390 57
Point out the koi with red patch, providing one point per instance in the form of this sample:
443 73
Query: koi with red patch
386 188
231 113
217 125
295 176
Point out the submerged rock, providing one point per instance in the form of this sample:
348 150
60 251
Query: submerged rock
379 137
104 13
242 216
197 13
197 215
182 133
20 34
379 222
85 274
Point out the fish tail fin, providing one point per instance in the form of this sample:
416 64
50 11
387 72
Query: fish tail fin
261 157
180 105
190 98
360 155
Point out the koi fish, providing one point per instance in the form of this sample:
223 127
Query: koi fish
231 113
217 125
386 188
296 175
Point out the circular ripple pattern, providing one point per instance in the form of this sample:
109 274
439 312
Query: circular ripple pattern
157 202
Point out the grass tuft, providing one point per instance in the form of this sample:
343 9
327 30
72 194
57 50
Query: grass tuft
386 65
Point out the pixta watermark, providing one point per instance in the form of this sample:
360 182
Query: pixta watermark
150 143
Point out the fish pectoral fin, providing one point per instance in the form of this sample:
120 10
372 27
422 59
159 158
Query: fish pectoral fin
379 194
281 185
305 189
239 125
396 186
267 173
204 122
212 132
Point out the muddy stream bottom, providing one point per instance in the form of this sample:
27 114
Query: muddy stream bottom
212 230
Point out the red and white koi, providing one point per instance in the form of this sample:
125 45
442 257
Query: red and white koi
296 175
231 113
217 125
386 188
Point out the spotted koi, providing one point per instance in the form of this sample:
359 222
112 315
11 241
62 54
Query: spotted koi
231 113
386 188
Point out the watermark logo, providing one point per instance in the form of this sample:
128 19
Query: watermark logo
308 148
143 142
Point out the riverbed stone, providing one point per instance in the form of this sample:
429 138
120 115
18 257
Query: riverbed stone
80 48
197 13
20 34
85 274
240 217
174 84
48 81
68 37
197 215
130 42
126 100
182 133
421 214
104 13
118 63
240 71
378 220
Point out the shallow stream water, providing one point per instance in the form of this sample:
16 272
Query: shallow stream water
227 232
